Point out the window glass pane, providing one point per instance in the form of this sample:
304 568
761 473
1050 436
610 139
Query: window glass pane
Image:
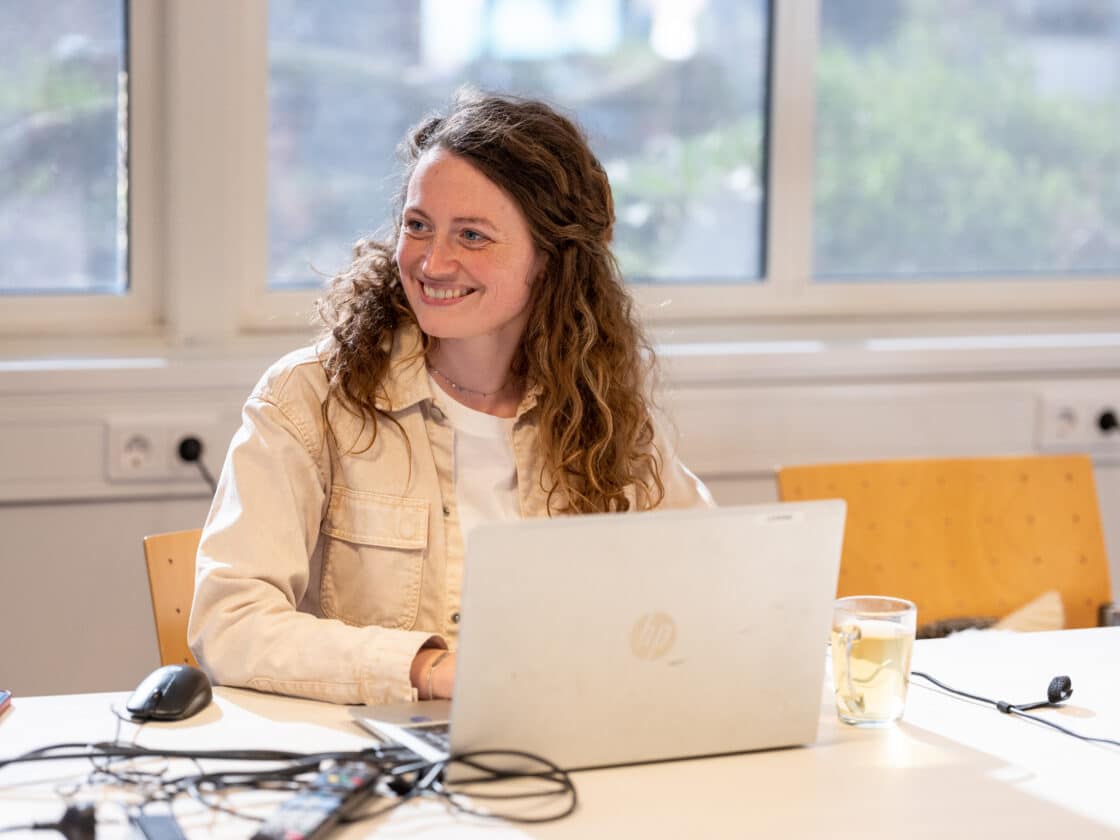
967 138
63 146
671 92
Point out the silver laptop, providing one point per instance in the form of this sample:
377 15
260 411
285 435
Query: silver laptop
617 639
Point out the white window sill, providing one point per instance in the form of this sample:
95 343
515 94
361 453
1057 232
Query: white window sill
685 360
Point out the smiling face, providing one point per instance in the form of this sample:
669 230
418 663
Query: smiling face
465 253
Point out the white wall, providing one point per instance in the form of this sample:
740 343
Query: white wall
74 608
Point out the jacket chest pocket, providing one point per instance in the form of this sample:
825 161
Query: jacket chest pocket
373 558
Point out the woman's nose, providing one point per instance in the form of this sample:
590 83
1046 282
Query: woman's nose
439 260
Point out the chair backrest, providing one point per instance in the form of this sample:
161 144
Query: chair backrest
170 561
967 537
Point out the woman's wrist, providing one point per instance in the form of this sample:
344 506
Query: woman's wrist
429 673
432 693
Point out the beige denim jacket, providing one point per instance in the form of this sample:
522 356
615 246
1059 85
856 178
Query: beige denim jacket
325 565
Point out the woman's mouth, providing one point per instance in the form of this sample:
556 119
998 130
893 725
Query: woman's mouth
443 293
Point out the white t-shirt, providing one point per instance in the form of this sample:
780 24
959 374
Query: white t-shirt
485 473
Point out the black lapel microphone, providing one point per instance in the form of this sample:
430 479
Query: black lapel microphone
1059 690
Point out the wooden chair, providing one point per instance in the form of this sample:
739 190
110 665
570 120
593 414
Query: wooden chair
969 537
170 561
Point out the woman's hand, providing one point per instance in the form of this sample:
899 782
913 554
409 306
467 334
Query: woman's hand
442 677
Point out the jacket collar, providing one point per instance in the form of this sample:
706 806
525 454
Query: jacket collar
406 382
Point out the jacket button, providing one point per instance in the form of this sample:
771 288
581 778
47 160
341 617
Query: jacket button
455 618
437 414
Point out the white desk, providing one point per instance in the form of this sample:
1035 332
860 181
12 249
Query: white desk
950 768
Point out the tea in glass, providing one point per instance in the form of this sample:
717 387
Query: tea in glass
872 639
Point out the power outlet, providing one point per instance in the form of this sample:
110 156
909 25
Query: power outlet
1079 423
142 448
136 450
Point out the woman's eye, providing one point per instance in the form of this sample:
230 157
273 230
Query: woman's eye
473 236
414 226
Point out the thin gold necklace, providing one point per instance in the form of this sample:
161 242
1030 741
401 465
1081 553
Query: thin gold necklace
462 388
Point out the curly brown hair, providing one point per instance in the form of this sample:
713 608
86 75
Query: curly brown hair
582 340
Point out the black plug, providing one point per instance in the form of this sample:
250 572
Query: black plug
190 448
402 786
78 823
190 451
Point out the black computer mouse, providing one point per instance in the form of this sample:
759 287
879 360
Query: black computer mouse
173 692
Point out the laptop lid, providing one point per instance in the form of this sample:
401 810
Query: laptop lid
614 639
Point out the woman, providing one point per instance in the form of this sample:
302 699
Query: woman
482 364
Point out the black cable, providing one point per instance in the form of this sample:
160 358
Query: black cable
1009 709
940 684
427 780
550 773
115 750
209 479
190 450
409 775
242 778
410 792
200 798
194 786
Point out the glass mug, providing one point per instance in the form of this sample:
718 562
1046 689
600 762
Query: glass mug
872 639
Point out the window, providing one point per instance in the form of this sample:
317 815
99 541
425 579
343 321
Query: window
777 166
984 140
63 148
672 95
81 180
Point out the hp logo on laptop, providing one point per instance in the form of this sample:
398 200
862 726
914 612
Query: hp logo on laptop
652 636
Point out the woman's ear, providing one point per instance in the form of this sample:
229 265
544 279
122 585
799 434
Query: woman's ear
540 263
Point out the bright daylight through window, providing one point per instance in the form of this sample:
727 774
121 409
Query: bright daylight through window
967 139
671 92
63 147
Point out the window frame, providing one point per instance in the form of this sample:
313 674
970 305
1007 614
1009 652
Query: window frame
787 292
134 312
198 215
